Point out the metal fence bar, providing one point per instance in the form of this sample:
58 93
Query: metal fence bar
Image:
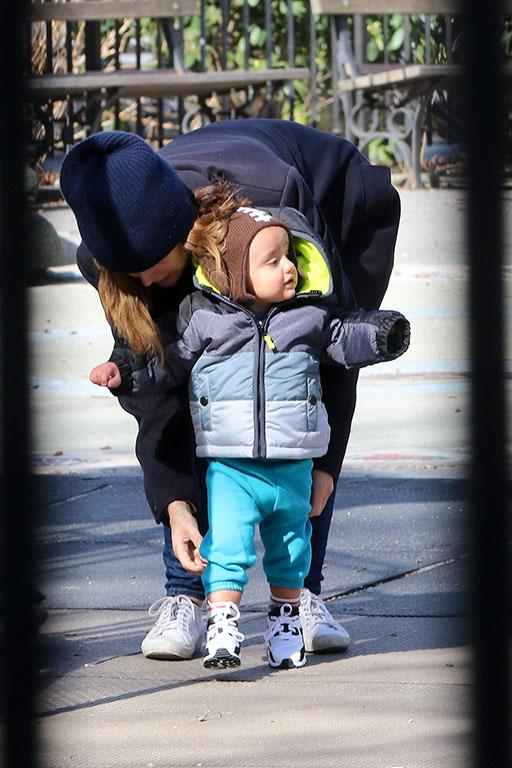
160 102
268 44
117 64
138 57
385 24
359 23
336 125
291 53
17 558
312 69
428 39
92 63
202 39
179 51
448 38
246 20
407 38
48 68
489 520
68 132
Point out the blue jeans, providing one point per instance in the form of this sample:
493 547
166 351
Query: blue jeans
179 582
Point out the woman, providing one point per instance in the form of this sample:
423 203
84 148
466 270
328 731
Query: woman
136 221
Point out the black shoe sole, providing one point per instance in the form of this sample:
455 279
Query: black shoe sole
223 658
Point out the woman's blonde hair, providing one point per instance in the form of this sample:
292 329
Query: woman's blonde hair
126 302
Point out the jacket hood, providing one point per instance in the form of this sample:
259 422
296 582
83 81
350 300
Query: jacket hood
313 262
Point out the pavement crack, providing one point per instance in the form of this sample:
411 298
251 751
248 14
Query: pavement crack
396 577
75 497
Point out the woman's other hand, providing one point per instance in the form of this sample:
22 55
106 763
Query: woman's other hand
106 375
323 486
185 537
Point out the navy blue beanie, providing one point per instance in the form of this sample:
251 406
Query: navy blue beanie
130 205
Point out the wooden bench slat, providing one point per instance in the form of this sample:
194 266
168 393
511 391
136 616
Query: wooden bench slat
397 75
97 10
378 7
407 74
156 83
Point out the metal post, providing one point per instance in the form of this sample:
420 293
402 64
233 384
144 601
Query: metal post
490 525
291 54
268 47
138 57
92 63
312 69
18 652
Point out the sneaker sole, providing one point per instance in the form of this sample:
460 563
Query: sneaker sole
327 645
221 658
287 664
167 651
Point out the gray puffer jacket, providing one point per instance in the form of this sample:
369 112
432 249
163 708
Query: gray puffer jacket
254 384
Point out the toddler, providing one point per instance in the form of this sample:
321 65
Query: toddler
250 341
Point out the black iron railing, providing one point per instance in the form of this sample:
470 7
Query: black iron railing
290 59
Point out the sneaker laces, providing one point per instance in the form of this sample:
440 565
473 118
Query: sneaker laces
283 619
314 610
223 617
175 612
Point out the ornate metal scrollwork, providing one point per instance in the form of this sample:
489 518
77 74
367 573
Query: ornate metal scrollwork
396 117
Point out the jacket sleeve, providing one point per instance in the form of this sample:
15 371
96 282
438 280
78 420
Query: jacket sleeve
363 338
142 376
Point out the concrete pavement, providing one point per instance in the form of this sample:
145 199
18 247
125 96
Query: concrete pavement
396 572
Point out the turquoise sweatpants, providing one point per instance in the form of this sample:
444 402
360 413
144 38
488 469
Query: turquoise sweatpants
243 493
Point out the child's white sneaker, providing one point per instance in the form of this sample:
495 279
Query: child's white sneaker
321 630
178 630
284 642
223 638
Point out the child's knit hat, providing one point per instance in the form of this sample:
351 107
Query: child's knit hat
243 226
131 207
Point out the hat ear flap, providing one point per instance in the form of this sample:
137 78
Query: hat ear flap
220 280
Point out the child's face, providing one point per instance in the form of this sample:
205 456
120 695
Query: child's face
167 272
272 277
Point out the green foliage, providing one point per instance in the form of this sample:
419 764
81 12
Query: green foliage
394 38
382 151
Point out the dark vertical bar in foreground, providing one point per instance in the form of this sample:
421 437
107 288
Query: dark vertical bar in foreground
16 561
490 532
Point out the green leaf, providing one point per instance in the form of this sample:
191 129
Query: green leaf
372 51
298 7
419 53
397 40
257 37
396 21
300 88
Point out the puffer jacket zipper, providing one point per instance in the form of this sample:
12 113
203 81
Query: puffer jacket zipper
260 439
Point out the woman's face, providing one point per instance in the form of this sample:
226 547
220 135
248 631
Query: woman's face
167 272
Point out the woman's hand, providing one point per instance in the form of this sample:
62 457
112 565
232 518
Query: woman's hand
323 486
185 537
106 375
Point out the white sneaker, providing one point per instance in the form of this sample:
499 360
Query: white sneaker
321 630
178 631
223 638
284 642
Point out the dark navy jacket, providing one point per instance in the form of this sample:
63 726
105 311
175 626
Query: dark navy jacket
350 204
